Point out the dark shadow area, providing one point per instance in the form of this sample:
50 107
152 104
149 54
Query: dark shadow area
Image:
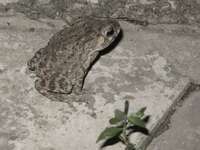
133 129
110 142
146 119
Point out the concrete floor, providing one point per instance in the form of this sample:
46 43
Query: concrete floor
152 66
184 132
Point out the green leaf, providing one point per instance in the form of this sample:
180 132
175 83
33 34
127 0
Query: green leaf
114 121
119 116
134 120
109 133
140 112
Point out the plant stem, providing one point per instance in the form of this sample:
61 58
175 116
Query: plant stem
126 107
123 140
125 122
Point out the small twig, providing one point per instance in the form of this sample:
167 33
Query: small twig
125 122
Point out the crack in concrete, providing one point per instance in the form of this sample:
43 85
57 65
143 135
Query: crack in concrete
165 125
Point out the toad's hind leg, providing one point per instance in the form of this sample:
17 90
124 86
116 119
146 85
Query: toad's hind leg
55 84
61 85
55 95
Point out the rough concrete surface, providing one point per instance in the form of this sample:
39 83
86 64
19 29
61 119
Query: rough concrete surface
8 1
31 121
184 132
179 44
147 67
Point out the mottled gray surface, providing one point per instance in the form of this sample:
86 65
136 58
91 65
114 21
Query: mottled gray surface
31 121
151 66
184 132
179 44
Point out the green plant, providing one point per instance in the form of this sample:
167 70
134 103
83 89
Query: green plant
123 125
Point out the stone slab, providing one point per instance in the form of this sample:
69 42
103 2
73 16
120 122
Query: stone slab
30 121
184 131
179 44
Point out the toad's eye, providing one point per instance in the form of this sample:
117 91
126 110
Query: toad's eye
110 32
